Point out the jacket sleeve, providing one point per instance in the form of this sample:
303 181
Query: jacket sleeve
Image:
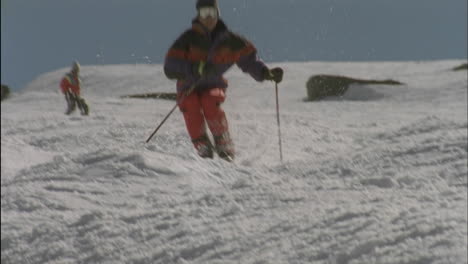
250 63
176 64
64 84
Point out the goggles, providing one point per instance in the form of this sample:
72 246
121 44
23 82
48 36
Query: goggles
205 12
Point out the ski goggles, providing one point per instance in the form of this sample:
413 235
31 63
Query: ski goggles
205 12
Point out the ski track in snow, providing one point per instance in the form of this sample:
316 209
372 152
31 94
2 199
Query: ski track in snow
376 176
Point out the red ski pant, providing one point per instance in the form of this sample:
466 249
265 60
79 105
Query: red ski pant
204 108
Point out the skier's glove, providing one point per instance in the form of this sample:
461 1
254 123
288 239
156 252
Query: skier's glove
203 69
275 74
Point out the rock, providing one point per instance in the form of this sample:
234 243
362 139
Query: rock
167 96
320 86
5 92
461 67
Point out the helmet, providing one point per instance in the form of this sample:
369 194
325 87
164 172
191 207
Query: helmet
76 66
208 3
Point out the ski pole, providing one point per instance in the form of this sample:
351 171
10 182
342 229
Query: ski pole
278 121
189 91
164 120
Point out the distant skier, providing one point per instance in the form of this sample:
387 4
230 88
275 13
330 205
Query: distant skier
71 86
198 59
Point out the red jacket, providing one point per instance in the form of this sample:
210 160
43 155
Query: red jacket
71 83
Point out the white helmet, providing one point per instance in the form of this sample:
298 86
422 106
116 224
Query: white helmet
76 66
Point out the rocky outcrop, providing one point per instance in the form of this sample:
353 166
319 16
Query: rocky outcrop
461 67
167 96
320 86
5 92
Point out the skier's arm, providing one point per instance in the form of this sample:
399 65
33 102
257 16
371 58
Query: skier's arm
249 62
177 65
64 85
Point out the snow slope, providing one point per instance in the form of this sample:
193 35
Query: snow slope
376 176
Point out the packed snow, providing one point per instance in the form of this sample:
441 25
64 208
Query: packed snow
378 175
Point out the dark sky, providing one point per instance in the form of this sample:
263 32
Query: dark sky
40 36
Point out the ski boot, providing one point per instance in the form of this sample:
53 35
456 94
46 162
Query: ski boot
203 146
70 108
224 147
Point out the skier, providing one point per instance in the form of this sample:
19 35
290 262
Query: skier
70 86
197 60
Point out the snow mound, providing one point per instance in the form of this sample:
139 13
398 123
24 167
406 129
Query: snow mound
378 176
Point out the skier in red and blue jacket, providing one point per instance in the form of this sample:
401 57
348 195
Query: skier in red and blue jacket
71 88
197 60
